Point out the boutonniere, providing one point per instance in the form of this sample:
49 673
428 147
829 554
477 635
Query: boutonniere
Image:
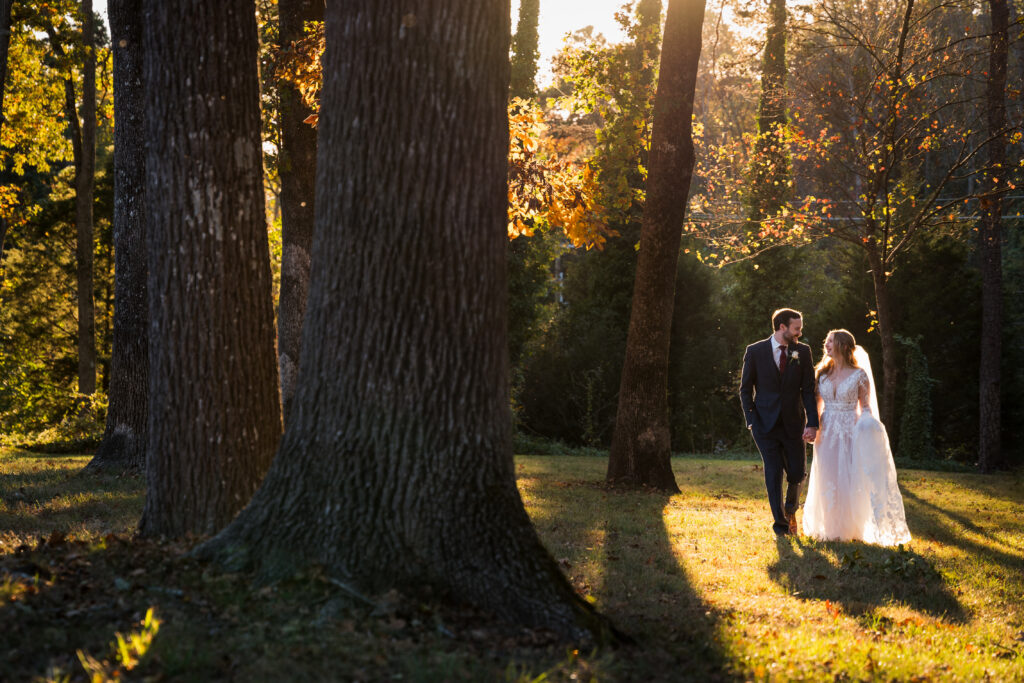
794 357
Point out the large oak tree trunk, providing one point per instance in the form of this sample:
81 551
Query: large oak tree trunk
641 444
124 441
396 469
85 182
214 409
990 238
298 182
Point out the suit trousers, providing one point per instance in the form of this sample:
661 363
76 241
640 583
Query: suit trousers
781 455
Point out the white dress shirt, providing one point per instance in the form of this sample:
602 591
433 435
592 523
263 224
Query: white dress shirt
775 350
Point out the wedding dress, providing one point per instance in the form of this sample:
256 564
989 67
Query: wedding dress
852 492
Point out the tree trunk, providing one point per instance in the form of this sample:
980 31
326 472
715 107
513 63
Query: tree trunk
641 444
83 150
297 168
771 109
396 469
887 400
124 441
5 43
990 238
85 181
214 409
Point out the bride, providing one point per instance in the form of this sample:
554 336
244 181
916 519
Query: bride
852 492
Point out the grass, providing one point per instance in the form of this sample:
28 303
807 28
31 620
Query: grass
698 579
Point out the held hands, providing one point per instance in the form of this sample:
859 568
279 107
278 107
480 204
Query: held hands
810 434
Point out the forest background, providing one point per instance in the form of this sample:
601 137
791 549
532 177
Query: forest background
578 155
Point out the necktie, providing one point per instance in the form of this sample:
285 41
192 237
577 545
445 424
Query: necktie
782 359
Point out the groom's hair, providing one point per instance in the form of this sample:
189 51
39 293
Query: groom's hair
783 316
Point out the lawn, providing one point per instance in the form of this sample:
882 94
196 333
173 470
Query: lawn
697 579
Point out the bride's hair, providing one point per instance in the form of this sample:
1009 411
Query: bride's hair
843 342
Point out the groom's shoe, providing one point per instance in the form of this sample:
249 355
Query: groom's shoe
791 518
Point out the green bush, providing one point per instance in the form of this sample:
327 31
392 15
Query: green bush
916 442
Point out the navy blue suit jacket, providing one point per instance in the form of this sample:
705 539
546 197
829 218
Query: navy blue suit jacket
768 395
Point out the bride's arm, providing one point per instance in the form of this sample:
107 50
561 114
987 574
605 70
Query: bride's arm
863 394
820 406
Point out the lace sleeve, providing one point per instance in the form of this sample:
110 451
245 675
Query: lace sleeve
863 392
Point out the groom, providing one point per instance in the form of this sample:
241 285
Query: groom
777 395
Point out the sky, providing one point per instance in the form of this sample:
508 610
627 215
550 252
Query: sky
557 17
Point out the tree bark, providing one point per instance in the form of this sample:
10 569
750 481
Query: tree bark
396 469
85 182
124 441
83 150
990 238
887 400
214 409
5 43
641 444
297 167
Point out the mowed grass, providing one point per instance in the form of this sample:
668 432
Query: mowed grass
697 579
42 493
700 576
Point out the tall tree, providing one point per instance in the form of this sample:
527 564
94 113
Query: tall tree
214 409
881 158
297 169
396 469
85 185
991 238
124 440
83 144
5 43
524 51
769 187
641 442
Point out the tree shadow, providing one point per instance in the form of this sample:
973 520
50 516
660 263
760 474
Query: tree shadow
38 503
615 547
48 484
858 578
649 591
937 523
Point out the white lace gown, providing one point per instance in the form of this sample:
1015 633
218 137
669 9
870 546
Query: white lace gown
852 492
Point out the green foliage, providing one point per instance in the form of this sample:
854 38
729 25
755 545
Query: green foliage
531 297
915 437
935 298
524 51
571 375
1012 384
38 351
616 83
38 354
570 378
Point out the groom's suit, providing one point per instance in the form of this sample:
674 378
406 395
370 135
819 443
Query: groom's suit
777 405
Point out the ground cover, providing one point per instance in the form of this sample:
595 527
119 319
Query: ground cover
697 579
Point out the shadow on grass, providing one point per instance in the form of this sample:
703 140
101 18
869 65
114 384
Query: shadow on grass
676 626
39 503
25 453
621 538
932 521
867 577
1006 487
46 485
